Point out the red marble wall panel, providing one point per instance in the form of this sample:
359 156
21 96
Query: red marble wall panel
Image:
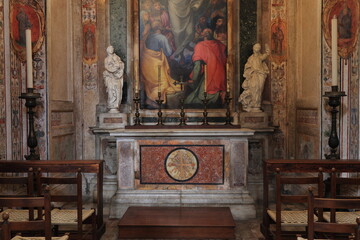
209 169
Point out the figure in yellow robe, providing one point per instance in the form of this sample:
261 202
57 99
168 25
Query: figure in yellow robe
154 65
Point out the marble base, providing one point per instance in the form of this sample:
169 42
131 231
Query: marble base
113 120
110 187
240 202
254 120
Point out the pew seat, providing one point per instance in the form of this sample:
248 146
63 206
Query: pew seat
19 215
69 216
33 228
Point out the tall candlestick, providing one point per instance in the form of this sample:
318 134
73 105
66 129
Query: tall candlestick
205 81
159 77
136 76
227 78
334 51
29 63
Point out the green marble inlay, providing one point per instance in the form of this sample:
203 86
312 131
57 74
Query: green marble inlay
248 31
118 27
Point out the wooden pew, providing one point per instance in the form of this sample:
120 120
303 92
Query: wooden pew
298 166
43 223
283 218
69 216
71 166
328 229
22 186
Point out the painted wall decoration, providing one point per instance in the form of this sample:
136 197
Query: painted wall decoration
278 40
17 131
277 3
182 164
89 44
278 75
173 53
2 86
347 13
23 16
89 36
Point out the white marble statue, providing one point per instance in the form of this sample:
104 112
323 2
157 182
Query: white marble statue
113 77
255 73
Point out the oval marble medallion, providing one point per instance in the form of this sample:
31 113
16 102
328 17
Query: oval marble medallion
181 164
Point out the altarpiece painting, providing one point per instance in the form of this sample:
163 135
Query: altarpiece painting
181 52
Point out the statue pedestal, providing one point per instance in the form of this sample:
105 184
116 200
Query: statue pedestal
254 120
112 120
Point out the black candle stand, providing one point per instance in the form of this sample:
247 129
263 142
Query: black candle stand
205 113
159 102
334 101
137 106
30 102
182 113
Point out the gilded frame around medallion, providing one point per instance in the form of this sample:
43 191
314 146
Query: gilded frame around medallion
137 44
25 14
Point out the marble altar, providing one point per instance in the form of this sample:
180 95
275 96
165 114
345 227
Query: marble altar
178 167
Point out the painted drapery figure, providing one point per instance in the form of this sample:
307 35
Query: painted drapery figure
155 67
168 33
212 53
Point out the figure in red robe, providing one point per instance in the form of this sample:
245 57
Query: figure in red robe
211 53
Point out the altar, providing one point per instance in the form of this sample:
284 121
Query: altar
179 167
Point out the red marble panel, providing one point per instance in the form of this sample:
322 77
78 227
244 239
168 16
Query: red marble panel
210 160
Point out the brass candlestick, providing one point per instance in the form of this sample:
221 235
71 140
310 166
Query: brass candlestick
159 102
137 106
182 113
334 101
205 113
30 102
228 113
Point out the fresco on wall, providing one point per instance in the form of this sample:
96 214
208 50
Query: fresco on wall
279 75
17 131
347 13
277 3
89 44
278 40
89 37
22 17
173 53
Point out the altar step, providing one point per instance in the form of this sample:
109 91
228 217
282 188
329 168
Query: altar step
177 223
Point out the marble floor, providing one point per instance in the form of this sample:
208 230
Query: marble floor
245 230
